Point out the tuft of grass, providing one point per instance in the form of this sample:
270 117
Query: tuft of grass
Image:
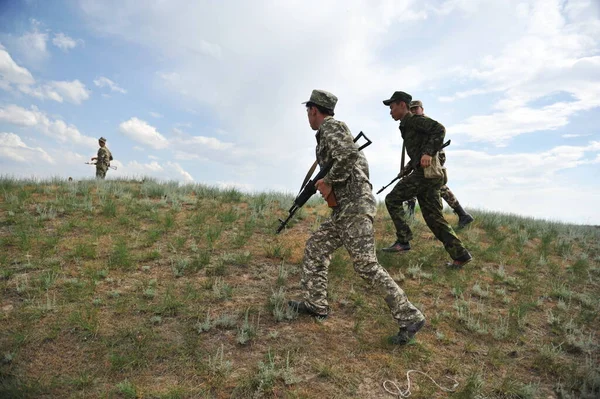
279 308
221 290
248 330
120 258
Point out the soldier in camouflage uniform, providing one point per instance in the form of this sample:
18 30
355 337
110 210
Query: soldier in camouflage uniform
103 159
350 224
416 107
422 137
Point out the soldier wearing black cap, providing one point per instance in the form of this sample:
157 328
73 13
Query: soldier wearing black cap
423 138
464 218
102 159
350 224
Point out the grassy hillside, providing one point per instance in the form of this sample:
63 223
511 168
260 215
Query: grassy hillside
131 289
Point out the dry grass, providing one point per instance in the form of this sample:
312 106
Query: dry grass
129 289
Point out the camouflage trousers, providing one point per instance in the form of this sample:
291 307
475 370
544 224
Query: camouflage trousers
101 172
446 194
355 233
449 197
427 192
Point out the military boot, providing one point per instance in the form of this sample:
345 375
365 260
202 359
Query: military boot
407 333
463 217
301 308
397 247
459 262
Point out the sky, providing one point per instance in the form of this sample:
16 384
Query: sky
210 92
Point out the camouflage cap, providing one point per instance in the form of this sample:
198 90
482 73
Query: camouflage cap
323 98
416 103
102 139
398 96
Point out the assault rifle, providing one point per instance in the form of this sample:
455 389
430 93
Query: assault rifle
405 170
308 189
93 163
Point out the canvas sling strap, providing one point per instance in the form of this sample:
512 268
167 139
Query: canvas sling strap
314 165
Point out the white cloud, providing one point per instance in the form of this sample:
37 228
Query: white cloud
554 55
15 77
14 149
74 92
186 156
11 73
156 114
32 44
493 172
106 82
57 129
64 42
210 143
140 131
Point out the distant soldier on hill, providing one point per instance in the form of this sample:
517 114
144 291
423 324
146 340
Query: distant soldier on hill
416 107
350 224
102 159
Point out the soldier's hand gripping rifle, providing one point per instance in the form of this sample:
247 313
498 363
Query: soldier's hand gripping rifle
406 170
308 189
94 163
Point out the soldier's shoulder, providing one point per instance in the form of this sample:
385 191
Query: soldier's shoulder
331 124
423 120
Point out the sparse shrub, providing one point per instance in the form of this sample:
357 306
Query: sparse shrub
127 389
221 290
200 261
282 275
179 266
217 269
226 321
480 292
279 308
228 217
277 251
500 329
247 331
232 195
120 257
205 325
217 365
109 208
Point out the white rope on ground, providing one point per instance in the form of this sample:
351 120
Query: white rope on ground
405 394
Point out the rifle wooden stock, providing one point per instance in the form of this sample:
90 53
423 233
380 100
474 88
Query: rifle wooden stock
331 201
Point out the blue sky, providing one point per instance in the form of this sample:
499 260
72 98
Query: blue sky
210 92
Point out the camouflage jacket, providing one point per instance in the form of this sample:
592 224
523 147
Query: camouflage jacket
104 157
421 135
349 174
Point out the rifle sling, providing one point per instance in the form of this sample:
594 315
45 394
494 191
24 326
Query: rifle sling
314 165
403 157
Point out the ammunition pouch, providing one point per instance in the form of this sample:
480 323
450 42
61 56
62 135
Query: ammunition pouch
435 170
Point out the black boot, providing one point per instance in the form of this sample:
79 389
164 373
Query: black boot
301 308
407 333
397 247
463 217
